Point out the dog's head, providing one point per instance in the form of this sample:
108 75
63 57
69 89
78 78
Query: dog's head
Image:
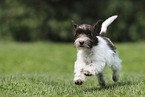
85 34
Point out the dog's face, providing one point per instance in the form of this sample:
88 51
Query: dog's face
85 35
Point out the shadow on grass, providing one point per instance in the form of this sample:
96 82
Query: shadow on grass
111 86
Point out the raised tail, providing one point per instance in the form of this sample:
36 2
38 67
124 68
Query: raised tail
106 23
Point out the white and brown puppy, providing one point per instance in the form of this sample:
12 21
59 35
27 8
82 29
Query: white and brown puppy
94 52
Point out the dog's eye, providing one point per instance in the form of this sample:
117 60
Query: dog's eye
80 31
76 34
89 34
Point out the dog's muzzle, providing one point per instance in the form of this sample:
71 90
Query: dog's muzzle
82 42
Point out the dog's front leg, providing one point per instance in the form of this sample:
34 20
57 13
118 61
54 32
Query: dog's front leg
79 77
100 77
94 68
88 70
99 72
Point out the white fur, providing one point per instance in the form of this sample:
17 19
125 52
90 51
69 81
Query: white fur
94 60
106 23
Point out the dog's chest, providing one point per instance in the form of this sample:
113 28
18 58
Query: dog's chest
88 57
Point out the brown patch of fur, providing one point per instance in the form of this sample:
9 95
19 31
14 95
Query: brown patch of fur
111 45
88 30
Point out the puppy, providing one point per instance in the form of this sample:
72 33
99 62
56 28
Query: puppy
94 52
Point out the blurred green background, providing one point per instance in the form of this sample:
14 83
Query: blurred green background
34 20
33 63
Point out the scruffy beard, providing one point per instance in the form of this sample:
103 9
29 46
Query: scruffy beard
87 42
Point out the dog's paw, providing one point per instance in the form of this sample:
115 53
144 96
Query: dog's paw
102 84
115 77
78 82
87 73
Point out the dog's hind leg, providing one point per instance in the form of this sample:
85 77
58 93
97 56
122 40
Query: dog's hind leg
100 77
115 75
99 72
116 67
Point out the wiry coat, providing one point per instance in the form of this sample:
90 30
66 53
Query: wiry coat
93 57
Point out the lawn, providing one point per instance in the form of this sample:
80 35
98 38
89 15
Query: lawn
46 69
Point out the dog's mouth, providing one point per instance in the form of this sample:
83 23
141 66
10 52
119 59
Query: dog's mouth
85 46
82 46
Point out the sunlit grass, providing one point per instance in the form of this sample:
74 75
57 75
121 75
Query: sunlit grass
46 69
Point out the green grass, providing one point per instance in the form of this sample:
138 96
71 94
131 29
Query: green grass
46 69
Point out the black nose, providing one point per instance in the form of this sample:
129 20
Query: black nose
81 42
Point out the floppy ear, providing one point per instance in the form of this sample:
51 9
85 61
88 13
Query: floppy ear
74 24
97 27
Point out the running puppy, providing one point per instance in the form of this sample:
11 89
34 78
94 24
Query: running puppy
94 52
